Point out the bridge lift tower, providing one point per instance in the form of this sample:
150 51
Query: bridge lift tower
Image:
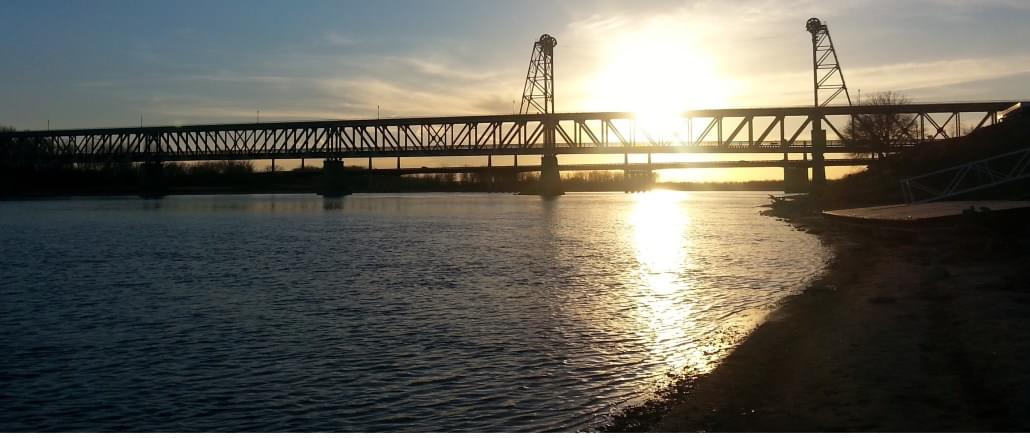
827 84
538 98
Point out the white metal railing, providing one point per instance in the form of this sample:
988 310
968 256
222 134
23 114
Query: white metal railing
969 177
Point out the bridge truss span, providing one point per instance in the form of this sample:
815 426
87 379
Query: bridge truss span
742 130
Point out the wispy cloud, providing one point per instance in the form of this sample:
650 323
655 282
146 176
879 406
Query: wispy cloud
446 69
936 74
227 76
335 39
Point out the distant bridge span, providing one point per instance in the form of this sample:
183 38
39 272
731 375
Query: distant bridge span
740 130
636 167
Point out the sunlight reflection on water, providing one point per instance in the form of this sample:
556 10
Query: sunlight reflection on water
663 252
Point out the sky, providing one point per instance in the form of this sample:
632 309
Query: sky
107 63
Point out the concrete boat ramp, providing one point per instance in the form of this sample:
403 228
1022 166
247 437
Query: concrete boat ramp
930 213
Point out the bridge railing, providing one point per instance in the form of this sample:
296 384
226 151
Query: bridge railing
967 178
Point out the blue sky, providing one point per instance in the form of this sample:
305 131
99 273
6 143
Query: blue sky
103 63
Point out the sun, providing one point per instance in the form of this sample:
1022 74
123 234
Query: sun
658 73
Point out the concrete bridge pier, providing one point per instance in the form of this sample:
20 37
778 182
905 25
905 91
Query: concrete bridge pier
152 181
489 175
491 181
370 179
550 179
818 147
795 179
334 182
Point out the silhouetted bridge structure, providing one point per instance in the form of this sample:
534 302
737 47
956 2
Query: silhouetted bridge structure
782 130
744 130
536 131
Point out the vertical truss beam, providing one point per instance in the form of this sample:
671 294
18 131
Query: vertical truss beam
827 76
538 92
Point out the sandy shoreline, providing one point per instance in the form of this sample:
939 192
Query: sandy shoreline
926 333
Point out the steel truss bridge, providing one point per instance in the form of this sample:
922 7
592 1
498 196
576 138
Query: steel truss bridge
745 130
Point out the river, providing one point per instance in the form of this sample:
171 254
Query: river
409 312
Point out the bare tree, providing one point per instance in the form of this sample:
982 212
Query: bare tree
883 129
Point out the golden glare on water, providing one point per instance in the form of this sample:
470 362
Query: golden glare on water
663 251
659 223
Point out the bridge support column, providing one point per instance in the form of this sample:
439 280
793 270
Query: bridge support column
550 179
152 180
490 180
334 182
370 179
818 147
795 179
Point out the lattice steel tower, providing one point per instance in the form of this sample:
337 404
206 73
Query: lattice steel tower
538 97
827 77
826 73
538 94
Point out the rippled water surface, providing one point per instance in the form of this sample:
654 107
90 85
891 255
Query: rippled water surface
428 312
